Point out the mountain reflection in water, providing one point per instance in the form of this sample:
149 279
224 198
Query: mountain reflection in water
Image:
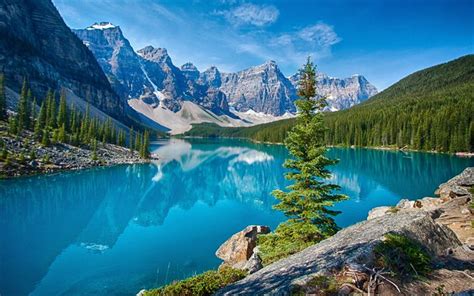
120 229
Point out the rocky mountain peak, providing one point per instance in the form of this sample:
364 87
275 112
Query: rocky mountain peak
159 55
188 67
190 71
211 77
270 64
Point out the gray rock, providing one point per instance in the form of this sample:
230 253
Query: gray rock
352 244
405 204
378 212
253 264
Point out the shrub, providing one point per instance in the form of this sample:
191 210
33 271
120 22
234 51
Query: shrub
393 210
402 256
4 153
324 285
203 284
21 158
289 238
46 158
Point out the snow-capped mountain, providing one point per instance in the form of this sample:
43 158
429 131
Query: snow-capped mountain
116 57
176 97
341 93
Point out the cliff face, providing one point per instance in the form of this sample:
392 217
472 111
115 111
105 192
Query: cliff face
340 93
262 89
116 57
36 43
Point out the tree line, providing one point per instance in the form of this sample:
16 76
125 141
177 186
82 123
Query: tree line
432 109
56 122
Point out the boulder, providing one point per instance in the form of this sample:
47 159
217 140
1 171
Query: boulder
428 203
378 212
457 186
238 249
405 204
254 263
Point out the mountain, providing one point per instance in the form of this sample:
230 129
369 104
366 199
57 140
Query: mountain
116 57
35 43
261 89
341 94
432 109
264 89
177 97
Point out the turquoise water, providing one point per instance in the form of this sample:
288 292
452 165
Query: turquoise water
114 231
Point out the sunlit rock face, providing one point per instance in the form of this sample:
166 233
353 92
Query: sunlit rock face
261 89
341 94
116 57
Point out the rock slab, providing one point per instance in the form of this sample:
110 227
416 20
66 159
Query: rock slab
238 249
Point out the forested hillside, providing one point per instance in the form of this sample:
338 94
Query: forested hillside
432 109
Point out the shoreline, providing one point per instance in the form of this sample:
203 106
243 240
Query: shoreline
27 158
464 154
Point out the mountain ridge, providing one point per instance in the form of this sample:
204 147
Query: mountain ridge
251 96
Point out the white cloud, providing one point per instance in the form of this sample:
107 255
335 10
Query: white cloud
251 14
321 34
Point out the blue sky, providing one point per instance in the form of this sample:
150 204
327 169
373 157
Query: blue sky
383 40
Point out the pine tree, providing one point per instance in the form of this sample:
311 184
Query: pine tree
138 143
3 99
307 201
130 140
41 121
94 149
23 117
144 153
45 138
33 114
4 154
13 125
62 133
62 112
51 122
32 155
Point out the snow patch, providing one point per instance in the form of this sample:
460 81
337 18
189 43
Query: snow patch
101 26
254 118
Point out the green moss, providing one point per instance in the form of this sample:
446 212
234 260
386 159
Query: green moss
319 285
403 256
289 238
393 210
206 283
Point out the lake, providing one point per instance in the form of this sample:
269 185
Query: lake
114 231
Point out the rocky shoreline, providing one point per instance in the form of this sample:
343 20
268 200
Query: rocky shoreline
443 226
27 157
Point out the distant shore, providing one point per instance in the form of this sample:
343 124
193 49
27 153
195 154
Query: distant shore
25 157
388 148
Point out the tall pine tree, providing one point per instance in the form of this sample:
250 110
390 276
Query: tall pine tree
307 200
62 112
40 124
3 99
23 116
